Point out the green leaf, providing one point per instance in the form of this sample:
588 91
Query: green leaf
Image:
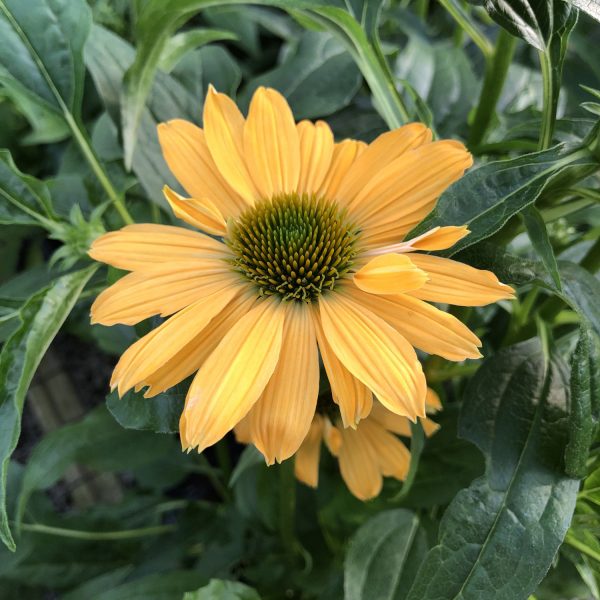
538 234
585 397
159 414
24 200
41 44
486 197
219 589
41 317
499 536
318 77
183 42
383 556
591 7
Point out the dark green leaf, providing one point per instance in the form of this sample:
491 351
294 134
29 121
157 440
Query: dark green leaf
538 234
218 589
159 414
41 317
383 556
41 44
584 395
318 77
24 200
498 537
591 7
160 586
486 197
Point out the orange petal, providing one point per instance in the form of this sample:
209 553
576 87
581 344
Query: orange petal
452 282
389 274
316 150
359 465
234 376
375 353
438 238
141 246
281 418
186 152
344 155
306 465
200 213
271 144
224 130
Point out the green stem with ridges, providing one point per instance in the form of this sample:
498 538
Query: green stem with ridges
287 504
106 536
467 25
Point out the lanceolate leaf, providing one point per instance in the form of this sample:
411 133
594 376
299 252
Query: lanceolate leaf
41 44
42 317
498 537
486 197
591 7
583 418
24 200
383 556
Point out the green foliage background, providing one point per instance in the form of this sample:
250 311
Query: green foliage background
504 502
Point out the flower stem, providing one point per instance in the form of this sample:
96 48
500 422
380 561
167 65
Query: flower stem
495 75
97 535
550 99
466 23
287 504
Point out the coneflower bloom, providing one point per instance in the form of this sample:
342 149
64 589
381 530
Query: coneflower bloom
366 453
305 255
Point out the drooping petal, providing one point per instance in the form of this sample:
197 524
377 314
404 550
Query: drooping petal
271 144
234 376
224 131
389 274
159 346
306 465
423 325
392 455
186 152
344 155
402 194
380 153
438 238
316 150
162 290
389 420
332 437
139 247
352 396
198 212
191 356
359 464
452 282
281 418
375 353
432 401
242 431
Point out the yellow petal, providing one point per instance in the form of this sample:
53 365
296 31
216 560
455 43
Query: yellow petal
200 213
390 421
332 437
234 376
316 150
438 238
137 247
352 396
242 431
281 418
432 401
271 144
162 290
186 152
381 152
191 356
224 131
359 465
452 282
423 325
159 346
375 353
392 455
402 194
429 427
306 465
344 155
389 274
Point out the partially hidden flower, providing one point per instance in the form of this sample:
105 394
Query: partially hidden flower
306 256
366 454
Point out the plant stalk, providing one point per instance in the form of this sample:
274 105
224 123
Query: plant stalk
287 504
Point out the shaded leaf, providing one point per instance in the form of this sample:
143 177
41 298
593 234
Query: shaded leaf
383 556
219 589
515 412
41 317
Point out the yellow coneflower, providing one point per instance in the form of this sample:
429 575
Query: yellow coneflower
307 255
365 454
